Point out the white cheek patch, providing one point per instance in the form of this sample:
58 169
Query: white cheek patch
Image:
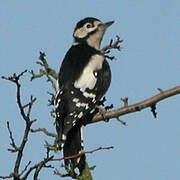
80 33
83 32
87 78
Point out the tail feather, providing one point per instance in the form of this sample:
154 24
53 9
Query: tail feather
73 146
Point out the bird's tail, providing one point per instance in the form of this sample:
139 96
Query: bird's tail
73 146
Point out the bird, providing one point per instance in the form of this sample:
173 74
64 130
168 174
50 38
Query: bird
84 78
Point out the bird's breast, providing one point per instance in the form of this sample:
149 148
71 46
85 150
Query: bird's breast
87 78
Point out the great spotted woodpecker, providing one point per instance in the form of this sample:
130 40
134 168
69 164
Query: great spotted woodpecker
83 80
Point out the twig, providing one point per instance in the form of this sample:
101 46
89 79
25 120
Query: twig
86 172
122 122
112 45
30 105
45 131
50 73
25 169
52 100
125 101
153 110
38 167
82 153
41 165
7 177
12 140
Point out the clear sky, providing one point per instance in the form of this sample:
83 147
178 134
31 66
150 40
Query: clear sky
147 148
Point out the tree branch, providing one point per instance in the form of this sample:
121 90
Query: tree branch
82 153
150 102
86 175
50 73
26 116
15 148
37 167
45 131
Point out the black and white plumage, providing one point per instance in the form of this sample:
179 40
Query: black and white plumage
83 80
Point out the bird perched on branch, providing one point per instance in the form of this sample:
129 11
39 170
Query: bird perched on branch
83 80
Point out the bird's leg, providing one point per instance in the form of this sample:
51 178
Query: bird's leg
103 111
100 110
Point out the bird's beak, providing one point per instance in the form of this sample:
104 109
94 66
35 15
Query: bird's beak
104 26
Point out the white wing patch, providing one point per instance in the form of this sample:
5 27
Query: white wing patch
80 115
80 104
90 95
87 78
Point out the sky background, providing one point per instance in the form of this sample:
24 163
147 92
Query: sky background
147 148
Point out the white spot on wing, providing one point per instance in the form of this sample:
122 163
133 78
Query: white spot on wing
74 123
67 122
62 145
58 114
89 95
71 114
63 137
79 104
80 115
75 100
58 101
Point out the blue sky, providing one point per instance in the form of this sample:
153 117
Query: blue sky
147 148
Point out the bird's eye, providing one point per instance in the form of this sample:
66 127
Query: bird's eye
88 25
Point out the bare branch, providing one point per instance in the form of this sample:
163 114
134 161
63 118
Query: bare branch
112 45
7 177
122 122
82 153
86 172
30 105
25 169
15 148
37 167
153 110
45 131
50 73
138 106
125 101
52 100
47 70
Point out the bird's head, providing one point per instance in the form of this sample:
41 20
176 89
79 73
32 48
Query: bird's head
90 30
